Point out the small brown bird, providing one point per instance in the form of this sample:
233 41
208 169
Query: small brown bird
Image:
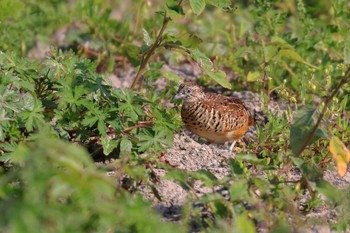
214 117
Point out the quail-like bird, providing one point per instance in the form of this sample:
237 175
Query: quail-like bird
214 117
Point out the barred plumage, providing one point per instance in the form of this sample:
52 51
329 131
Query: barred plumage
212 116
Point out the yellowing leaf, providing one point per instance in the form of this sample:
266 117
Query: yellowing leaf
295 56
341 154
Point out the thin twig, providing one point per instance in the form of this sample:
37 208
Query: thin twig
320 117
150 52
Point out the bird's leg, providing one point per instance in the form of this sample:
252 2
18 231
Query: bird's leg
232 146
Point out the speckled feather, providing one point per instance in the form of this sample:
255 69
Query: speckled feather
215 117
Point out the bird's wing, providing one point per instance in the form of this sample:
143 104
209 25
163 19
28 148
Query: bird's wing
232 110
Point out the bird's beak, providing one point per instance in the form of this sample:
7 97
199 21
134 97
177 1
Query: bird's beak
179 96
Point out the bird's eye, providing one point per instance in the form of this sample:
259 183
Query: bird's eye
188 91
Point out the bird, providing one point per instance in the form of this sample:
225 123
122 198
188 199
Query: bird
215 117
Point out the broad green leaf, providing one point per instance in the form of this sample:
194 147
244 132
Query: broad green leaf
311 171
253 76
295 56
175 11
236 167
239 191
125 146
207 177
223 4
244 224
341 154
177 175
190 40
219 208
304 120
171 76
331 192
197 6
202 60
220 78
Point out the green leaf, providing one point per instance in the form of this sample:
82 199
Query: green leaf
239 191
190 40
304 120
346 52
223 4
220 78
146 37
132 52
125 146
311 171
295 56
202 60
177 175
174 11
331 192
197 6
253 76
207 177
108 144
171 76
244 224
275 40
236 167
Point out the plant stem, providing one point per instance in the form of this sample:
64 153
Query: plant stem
150 52
311 134
326 104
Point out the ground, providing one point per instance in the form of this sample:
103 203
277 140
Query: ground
190 153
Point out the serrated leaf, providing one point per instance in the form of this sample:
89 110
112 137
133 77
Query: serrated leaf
108 145
341 155
295 56
197 6
220 78
253 76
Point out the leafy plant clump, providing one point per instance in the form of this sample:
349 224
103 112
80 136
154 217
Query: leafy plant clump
65 93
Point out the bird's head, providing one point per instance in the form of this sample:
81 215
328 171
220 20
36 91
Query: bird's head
189 92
